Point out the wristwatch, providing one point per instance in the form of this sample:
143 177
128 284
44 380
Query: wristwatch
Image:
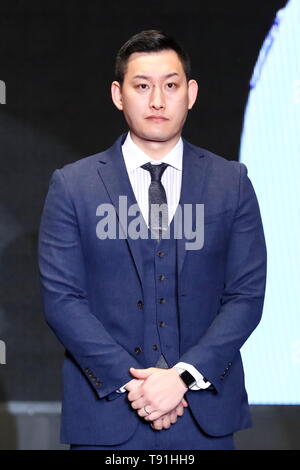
187 378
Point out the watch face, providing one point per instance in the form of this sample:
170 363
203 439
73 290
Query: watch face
187 378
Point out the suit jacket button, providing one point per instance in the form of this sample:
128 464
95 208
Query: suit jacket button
162 323
162 301
98 383
162 277
155 347
140 304
138 350
161 254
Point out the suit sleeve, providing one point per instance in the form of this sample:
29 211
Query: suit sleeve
242 299
66 305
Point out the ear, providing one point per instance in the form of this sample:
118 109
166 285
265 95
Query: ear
116 94
192 92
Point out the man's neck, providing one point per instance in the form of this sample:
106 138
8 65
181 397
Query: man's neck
155 149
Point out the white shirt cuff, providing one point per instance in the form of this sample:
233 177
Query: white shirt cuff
200 383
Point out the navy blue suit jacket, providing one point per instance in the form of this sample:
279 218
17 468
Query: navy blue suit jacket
90 290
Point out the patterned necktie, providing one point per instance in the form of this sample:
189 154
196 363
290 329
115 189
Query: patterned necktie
158 216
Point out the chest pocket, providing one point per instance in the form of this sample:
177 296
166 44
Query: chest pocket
214 232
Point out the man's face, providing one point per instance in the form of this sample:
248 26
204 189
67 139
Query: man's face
155 96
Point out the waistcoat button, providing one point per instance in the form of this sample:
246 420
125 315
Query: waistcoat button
162 301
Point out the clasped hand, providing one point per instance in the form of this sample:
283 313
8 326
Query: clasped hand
161 392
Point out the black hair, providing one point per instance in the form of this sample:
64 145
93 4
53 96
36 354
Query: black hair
149 41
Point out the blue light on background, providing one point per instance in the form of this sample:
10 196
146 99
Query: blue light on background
270 148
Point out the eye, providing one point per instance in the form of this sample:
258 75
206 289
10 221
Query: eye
171 85
142 86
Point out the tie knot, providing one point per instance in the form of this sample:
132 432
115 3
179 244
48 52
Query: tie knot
156 171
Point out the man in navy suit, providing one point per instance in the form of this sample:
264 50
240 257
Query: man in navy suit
152 307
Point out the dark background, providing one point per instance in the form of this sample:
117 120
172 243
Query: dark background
57 61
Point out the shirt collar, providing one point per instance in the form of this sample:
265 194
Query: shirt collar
135 157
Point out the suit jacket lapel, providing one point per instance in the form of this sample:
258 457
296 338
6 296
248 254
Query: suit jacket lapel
113 172
192 185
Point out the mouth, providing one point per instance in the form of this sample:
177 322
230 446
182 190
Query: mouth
157 118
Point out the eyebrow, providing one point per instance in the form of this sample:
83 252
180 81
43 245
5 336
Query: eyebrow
147 77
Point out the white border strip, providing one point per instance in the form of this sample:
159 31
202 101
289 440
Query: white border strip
30 407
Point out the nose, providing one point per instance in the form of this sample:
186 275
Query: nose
157 98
